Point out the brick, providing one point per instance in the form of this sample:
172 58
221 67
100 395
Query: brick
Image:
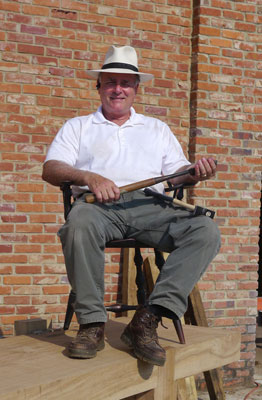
29 228
64 14
235 35
26 48
37 300
61 72
35 10
23 120
232 53
55 309
209 31
28 269
12 156
11 319
26 290
45 41
55 290
27 187
35 30
245 27
29 208
45 101
45 280
27 248
52 249
7 310
14 218
13 88
178 21
43 218
27 310
56 112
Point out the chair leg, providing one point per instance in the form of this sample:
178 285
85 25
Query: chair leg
69 310
159 259
179 330
140 279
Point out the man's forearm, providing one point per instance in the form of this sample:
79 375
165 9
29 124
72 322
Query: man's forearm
56 172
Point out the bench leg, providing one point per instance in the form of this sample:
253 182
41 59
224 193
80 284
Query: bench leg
166 388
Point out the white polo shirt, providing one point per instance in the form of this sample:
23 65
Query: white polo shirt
143 147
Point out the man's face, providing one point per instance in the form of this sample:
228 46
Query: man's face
117 93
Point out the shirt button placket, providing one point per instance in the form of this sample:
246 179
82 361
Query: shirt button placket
121 136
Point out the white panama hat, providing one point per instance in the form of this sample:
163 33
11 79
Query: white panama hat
121 60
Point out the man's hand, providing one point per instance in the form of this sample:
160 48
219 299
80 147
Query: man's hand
205 168
104 189
55 172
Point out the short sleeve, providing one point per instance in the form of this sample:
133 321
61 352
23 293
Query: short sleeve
65 146
173 156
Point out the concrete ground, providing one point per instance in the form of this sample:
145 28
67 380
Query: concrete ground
253 392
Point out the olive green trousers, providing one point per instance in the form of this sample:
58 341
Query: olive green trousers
191 241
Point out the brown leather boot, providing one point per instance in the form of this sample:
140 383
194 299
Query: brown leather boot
140 335
89 340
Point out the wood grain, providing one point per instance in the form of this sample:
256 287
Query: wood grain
36 367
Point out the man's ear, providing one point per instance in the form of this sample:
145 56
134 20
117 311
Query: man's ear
98 84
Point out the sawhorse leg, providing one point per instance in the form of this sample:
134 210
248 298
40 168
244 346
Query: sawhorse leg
196 316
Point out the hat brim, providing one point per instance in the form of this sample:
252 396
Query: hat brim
144 77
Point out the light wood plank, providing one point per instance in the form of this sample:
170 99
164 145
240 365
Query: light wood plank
36 367
167 387
186 389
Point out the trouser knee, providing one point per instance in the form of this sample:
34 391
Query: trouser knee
209 234
83 220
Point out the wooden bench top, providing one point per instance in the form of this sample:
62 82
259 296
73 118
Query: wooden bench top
36 367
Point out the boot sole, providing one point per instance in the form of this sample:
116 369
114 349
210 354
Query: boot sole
80 353
127 339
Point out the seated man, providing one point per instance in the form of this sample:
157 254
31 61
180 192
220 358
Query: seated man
101 152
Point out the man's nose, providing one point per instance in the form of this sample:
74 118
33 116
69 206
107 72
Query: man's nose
118 87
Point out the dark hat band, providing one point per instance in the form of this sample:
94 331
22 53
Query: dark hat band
120 65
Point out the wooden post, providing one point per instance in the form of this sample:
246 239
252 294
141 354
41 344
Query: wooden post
166 388
196 315
186 387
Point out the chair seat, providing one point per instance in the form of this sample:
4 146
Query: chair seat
126 243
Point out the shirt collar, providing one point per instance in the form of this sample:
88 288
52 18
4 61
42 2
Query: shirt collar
135 119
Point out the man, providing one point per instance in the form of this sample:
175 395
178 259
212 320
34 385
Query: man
101 152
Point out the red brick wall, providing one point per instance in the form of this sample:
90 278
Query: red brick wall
46 47
226 105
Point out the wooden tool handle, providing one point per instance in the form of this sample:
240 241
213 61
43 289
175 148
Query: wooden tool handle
91 198
183 204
